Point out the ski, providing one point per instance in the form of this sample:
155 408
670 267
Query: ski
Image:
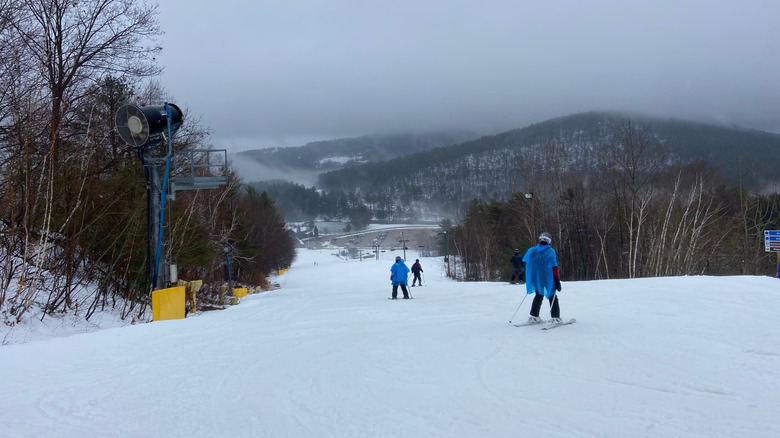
524 324
571 321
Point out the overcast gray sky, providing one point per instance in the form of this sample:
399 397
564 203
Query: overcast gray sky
280 73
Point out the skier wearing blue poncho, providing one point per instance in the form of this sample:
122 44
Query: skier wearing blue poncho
399 273
541 277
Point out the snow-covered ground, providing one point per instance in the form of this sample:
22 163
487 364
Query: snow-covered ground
35 328
328 355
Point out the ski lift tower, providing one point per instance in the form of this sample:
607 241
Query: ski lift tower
150 129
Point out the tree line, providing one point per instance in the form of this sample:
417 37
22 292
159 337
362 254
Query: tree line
73 202
630 209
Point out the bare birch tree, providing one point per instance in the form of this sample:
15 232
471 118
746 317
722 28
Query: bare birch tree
71 45
629 166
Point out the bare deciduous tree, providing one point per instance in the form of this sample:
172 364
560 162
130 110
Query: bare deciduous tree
71 45
629 167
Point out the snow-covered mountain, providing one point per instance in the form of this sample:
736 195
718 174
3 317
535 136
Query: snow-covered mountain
327 355
496 165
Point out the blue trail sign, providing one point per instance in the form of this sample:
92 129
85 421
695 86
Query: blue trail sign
772 244
772 240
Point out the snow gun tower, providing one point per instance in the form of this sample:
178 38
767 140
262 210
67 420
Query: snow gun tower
150 129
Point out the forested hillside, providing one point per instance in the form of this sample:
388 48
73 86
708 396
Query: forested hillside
495 165
628 207
334 154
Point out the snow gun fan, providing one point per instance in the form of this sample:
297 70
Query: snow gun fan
150 130
146 125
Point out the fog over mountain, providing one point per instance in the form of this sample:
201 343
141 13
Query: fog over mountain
285 73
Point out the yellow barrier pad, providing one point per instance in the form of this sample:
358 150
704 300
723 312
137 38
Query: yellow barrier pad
168 304
239 292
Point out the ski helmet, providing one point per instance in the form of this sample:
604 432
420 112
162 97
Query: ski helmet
517 251
545 237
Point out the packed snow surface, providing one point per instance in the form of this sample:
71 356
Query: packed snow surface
328 355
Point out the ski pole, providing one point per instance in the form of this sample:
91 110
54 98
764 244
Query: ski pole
518 308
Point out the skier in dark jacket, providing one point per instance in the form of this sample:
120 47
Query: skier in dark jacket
399 273
542 278
416 269
518 268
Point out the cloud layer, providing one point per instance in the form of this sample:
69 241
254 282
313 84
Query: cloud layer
281 73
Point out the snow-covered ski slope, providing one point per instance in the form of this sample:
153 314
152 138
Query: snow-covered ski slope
328 355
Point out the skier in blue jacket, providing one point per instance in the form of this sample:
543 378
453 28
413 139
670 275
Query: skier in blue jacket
541 278
399 273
